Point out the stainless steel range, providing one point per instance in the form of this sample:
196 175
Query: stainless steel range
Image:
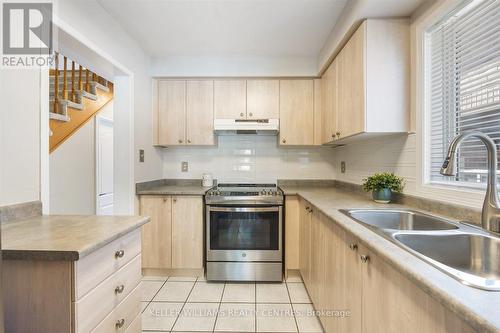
244 233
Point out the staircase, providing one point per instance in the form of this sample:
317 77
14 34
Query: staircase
76 96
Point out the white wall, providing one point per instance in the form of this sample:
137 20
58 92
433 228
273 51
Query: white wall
72 174
19 136
250 158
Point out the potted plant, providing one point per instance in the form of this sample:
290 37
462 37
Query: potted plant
382 185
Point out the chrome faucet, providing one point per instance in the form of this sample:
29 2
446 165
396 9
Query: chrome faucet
490 216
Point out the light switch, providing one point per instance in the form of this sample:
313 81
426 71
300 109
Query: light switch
141 155
342 166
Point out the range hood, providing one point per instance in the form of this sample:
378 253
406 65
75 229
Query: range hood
247 126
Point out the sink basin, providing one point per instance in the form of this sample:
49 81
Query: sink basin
399 219
474 259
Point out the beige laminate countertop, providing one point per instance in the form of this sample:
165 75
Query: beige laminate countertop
63 237
174 190
479 308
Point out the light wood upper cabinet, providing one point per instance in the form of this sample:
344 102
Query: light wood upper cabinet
187 232
296 112
171 112
366 87
351 118
200 113
263 99
156 235
185 114
230 99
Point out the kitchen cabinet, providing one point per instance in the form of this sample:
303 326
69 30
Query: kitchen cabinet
200 113
366 87
305 241
187 232
369 295
318 111
296 112
292 226
185 113
171 112
230 99
174 237
156 235
263 99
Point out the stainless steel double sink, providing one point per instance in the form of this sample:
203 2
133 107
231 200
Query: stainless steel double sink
467 253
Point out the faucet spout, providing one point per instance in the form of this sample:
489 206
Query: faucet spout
490 217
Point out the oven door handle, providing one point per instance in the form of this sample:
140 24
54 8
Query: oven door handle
244 209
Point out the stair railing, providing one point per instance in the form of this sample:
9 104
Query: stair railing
73 92
56 83
65 79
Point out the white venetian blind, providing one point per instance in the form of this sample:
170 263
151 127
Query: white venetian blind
463 67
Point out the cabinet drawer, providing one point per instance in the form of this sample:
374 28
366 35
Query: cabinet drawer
136 326
97 266
123 315
99 302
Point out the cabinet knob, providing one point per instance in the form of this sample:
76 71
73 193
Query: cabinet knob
308 208
365 258
180 141
338 134
353 246
119 289
164 199
284 140
174 200
120 323
333 136
189 141
250 114
242 114
119 254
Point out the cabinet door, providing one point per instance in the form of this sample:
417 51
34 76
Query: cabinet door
343 277
156 235
263 99
392 303
171 112
200 113
296 112
329 102
318 111
230 99
292 225
187 232
305 242
352 85
316 277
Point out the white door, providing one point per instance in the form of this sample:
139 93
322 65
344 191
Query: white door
104 168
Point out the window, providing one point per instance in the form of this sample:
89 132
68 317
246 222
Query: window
463 90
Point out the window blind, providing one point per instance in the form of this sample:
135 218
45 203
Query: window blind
463 68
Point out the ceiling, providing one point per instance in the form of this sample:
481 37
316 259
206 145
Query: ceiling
227 28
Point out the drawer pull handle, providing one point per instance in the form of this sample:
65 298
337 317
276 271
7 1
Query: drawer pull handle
120 323
365 258
119 254
119 289
353 246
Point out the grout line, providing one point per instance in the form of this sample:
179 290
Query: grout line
218 308
291 305
182 308
255 307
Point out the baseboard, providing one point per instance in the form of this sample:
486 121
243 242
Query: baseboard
185 272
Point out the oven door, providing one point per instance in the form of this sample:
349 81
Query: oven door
244 233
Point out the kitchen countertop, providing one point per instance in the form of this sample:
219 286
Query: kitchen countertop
174 190
477 307
63 237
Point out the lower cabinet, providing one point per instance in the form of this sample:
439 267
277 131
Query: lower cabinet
174 237
357 291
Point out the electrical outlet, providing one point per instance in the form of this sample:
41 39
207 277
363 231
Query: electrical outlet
342 166
141 155
184 166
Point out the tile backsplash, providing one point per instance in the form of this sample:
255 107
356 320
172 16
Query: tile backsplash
250 158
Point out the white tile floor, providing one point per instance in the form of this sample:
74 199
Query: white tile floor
193 305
